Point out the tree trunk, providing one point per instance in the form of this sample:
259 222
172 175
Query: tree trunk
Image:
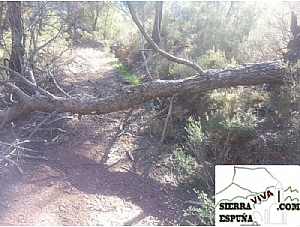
2 22
17 31
97 9
294 26
157 22
251 74
293 47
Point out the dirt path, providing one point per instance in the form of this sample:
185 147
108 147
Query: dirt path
90 178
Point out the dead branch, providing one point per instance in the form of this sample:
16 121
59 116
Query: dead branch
58 119
138 175
143 52
124 121
57 86
16 145
33 157
13 163
14 88
167 119
168 56
249 74
40 124
27 82
37 49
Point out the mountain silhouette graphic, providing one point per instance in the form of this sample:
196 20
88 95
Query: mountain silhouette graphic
248 182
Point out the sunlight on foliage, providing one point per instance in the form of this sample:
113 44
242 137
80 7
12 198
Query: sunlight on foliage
215 60
194 130
128 77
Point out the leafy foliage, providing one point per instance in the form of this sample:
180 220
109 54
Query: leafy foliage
129 78
215 60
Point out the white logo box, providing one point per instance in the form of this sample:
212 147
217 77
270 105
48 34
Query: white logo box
259 195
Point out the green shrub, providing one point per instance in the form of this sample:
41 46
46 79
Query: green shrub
214 60
128 77
197 142
231 110
205 214
196 138
229 124
179 71
183 166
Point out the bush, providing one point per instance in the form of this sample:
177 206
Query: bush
183 166
204 215
218 137
128 77
211 60
196 138
179 71
197 142
228 123
214 60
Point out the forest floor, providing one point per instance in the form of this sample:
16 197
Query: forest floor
93 175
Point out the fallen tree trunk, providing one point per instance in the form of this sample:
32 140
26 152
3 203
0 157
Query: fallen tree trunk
249 74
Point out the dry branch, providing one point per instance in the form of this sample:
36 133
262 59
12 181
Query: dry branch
250 74
27 82
16 145
57 86
166 55
12 163
40 124
167 119
138 175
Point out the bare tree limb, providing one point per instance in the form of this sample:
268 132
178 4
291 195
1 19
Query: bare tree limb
57 86
157 49
143 52
40 124
14 88
251 74
37 49
33 80
167 119
16 145
27 82
12 162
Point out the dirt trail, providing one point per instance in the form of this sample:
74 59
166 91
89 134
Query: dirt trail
90 178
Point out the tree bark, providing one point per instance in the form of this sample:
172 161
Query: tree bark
157 21
293 47
17 31
251 74
294 26
2 21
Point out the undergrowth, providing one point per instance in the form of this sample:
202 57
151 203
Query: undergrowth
246 125
204 214
128 77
